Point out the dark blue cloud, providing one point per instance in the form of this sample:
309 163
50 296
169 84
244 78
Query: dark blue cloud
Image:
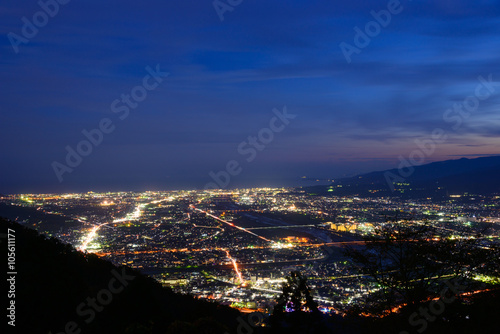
225 79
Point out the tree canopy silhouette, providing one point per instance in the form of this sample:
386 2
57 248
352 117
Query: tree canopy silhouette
296 296
409 261
296 310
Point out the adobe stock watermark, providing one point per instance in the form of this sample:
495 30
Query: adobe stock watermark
435 308
94 137
255 319
372 29
104 297
222 6
30 28
454 116
250 149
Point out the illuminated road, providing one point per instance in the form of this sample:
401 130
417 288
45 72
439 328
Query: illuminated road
231 224
211 249
238 273
92 234
136 214
275 227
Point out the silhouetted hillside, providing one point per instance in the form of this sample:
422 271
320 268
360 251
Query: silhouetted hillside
437 179
58 288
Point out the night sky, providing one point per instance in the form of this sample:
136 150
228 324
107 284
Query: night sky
225 78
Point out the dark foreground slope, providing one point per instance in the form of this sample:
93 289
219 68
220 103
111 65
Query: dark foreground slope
58 289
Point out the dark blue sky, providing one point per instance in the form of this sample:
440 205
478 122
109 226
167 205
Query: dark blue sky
226 77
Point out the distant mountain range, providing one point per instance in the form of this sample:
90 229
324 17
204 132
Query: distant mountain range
437 179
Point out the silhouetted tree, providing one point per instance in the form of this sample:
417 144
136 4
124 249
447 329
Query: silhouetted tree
296 309
296 296
409 260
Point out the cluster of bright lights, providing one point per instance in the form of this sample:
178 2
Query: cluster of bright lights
277 245
89 238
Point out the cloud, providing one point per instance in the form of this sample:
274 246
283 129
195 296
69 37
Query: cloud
227 76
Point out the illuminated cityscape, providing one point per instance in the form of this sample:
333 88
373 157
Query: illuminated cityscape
250 167
236 247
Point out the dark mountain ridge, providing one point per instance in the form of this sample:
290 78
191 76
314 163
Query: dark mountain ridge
437 179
